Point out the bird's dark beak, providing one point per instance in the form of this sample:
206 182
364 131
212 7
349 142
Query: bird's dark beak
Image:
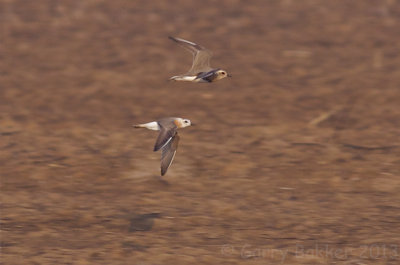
229 75
192 124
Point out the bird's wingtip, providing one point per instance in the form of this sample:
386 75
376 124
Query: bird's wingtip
156 148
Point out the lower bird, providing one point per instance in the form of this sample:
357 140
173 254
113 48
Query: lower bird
200 70
167 139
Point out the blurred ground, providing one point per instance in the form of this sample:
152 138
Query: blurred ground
294 160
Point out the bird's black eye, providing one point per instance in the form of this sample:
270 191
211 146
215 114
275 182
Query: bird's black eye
186 121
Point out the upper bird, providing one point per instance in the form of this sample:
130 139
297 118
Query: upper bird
201 70
167 139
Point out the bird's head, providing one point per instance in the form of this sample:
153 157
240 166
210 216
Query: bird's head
182 123
222 74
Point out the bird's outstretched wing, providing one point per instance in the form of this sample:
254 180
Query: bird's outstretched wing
168 153
164 137
201 56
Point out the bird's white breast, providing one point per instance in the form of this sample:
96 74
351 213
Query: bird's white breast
184 78
152 126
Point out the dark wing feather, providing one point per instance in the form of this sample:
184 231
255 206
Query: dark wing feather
168 153
164 137
188 45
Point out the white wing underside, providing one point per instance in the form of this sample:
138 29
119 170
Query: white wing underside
201 62
201 56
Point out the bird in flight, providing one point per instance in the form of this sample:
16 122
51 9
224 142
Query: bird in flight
201 70
167 139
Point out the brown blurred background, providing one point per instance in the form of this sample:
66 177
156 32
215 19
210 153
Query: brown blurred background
294 160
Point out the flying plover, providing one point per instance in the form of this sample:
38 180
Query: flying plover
167 139
201 70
